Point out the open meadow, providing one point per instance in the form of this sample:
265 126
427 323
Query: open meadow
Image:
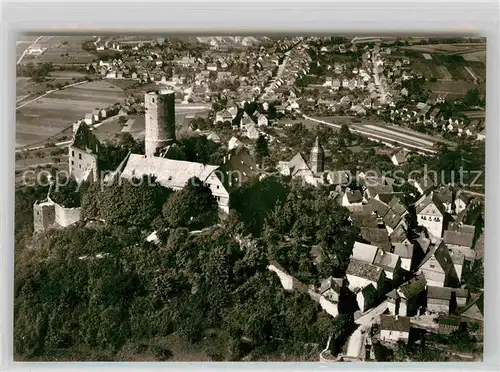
58 110
65 50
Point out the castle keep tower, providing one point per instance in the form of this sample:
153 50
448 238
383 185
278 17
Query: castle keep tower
317 160
160 120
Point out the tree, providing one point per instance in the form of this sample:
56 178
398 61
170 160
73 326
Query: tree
261 149
129 203
66 192
194 206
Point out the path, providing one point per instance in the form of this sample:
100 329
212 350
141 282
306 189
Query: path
471 74
48 92
26 50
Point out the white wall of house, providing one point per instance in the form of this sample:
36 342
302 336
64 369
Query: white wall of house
433 224
403 309
357 282
435 306
406 263
394 336
330 307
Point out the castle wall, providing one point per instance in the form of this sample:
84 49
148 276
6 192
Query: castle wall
43 215
67 216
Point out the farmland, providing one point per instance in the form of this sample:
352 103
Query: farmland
56 111
65 50
27 87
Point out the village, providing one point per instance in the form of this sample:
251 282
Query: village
282 108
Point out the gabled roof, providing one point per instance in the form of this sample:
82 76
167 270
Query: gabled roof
395 323
378 207
376 236
403 250
412 287
398 235
298 162
445 293
168 172
425 201
364 270
460 238
84 139
354 196
364 252
386 260
474 309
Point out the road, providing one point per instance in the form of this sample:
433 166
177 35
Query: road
48 92
26 50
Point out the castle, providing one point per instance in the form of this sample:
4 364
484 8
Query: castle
164 158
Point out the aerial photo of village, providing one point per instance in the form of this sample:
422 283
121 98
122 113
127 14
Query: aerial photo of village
242 198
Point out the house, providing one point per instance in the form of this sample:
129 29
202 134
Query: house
423 184
430 214
399 157
448 324
104 113
394 328
212 67
461 201
96 113
234 143
443 300
408 297
405 253
460 242
360 274
374 191
438 268
83 154
473 312
352 199
330 288
364 252
252 132
239 167
89 119
391 263
175 174
377 237
366 297
262 120
223 116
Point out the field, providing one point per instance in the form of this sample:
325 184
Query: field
26 88
451 89
57 47
58 110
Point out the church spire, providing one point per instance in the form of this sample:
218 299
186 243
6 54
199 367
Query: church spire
317 159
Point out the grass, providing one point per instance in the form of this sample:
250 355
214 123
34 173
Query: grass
57 45
57 111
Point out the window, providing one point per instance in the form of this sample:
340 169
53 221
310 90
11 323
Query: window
217 186
80 156
80 166
153 100
73 153
432 266
72 162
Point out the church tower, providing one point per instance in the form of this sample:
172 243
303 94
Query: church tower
160 120
317 160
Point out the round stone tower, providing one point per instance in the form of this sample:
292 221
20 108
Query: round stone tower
160 120
317 160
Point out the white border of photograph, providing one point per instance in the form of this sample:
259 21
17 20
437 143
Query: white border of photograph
401 18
